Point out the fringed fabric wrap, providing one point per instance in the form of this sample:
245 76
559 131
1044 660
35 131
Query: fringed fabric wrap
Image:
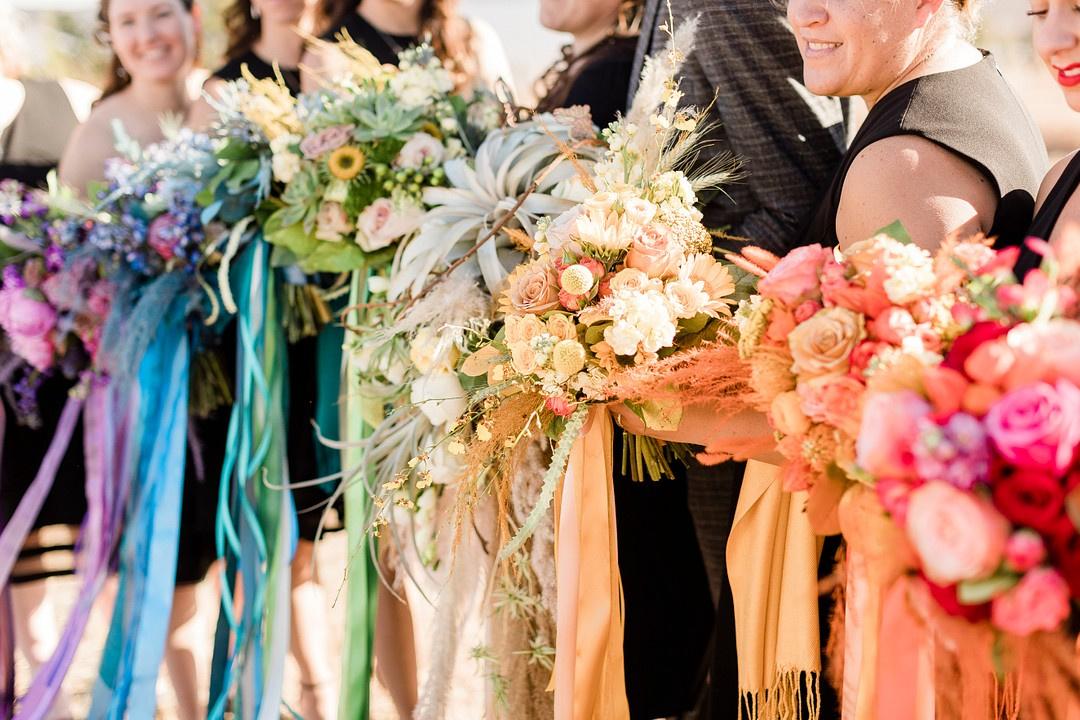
772 558
589 677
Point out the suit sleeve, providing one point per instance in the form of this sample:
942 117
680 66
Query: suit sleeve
788 141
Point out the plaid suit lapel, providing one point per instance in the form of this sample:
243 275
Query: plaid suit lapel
644 46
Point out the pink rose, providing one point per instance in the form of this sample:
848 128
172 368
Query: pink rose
807 310
893 325
893 495
1024 550
99 302
324 141
797 277
381 224
38 350
559 406
835 400
1044 351
331 222
1037 426
655 253
890 428
956 535
1039 602
163 236
421 149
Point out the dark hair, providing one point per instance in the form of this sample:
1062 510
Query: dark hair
119 78
448 33
244 30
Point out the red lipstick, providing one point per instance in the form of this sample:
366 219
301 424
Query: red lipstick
1069 76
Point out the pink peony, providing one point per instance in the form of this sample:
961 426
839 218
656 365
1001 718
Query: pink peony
836 400
1039 602
956 535
796 278
655 252
23 316
1037 426
888 433
381 224
38 350
1024 550
324 141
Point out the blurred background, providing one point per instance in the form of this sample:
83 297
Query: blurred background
55 38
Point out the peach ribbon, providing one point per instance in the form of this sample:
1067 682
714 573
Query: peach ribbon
875 599
588 676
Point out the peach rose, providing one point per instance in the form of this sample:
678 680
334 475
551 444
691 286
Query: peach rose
561 327
787 415
523 358
836 400
533 288
522 328
655 252
956 535
822 345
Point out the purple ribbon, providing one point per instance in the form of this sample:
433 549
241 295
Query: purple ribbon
106 493
14 534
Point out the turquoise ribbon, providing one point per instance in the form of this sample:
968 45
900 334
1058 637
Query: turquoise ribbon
136 641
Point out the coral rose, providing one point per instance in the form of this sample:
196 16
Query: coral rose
956 535
1037 426
1039 602
836 400
823 344
797 277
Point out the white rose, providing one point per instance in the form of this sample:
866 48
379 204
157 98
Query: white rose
623 338
638 211
601 202
420 149
381 224
440 397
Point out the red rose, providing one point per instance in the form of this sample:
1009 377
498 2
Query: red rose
946 598
1029 497
967 343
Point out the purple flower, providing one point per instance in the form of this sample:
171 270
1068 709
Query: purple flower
956 452
13 279
54 259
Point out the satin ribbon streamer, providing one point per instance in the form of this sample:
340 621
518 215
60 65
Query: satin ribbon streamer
588 677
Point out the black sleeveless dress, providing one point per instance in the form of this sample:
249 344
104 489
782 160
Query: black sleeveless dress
28 151
260 70
384 46
1047 218
971 112
669 610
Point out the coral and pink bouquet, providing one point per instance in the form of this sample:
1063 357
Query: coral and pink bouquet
824 331
975 462
51 309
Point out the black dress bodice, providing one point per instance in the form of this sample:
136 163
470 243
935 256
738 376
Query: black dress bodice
973 113
1049 214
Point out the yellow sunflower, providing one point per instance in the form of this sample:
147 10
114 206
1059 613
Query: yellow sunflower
346 162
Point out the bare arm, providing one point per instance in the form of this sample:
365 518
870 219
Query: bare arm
83 161
788 140
202 114
933 192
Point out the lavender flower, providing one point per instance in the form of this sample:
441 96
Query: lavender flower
957 452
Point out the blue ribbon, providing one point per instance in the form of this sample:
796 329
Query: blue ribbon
140 622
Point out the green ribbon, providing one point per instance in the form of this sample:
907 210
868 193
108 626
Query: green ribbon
362 579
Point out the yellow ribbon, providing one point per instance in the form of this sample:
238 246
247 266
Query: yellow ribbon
588 676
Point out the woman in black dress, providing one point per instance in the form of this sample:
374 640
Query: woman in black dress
669 612
1057 40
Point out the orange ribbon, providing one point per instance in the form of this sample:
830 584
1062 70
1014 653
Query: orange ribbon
588 676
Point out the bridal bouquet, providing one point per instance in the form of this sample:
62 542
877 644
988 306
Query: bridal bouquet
365 149
51 309
822 332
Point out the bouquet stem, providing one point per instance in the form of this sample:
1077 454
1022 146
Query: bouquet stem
306 311
644 456
209 385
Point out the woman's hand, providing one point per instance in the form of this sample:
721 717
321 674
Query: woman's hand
746 433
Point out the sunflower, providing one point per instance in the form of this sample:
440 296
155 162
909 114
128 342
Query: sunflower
346 162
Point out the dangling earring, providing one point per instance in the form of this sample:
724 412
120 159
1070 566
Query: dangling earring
121 72
256 13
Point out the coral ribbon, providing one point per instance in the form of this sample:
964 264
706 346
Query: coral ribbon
588 676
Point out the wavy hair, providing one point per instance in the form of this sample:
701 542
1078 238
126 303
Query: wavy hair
118 77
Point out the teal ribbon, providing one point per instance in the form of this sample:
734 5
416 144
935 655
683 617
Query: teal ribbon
256 524
136 641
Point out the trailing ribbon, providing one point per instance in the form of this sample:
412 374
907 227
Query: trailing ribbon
256 526
361 579
588 677
106 493
18 528
136 641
